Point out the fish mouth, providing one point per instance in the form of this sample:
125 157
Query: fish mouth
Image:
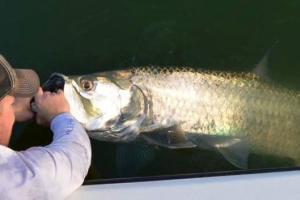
55 82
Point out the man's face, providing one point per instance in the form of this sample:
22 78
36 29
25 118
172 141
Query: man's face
7 119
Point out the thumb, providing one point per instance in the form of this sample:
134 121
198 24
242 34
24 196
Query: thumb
39 93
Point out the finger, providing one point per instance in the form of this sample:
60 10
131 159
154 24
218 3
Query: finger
47 94
38 95
55 93
60 92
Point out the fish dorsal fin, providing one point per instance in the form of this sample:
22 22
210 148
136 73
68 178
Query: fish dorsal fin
262 69
235 150
171 138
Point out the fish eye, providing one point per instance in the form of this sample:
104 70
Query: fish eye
87 85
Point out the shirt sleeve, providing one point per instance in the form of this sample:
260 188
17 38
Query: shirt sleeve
50 172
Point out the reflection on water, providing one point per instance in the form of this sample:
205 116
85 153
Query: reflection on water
81 38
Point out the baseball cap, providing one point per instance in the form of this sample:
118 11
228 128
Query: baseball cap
17 82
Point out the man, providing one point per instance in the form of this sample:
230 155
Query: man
50 172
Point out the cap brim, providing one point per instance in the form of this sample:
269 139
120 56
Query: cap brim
27 83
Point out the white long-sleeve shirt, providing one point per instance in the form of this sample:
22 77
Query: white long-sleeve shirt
50 172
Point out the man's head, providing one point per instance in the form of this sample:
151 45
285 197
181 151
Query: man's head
14 83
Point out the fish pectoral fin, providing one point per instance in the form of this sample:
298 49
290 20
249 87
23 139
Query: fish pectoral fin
235 150
171 138
237 154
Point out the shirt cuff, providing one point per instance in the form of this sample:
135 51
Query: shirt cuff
61 122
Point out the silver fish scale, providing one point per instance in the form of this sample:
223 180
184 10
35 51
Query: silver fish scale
220 103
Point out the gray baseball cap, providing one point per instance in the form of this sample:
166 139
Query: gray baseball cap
17 82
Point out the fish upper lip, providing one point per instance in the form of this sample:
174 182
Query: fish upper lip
55 82
58 74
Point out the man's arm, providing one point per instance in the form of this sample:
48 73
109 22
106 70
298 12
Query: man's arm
50 172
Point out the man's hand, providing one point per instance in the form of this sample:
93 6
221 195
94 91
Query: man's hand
22 109
48 105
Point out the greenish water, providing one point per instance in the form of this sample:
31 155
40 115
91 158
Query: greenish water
76 37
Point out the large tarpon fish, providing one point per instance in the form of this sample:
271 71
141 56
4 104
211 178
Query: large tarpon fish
185 108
